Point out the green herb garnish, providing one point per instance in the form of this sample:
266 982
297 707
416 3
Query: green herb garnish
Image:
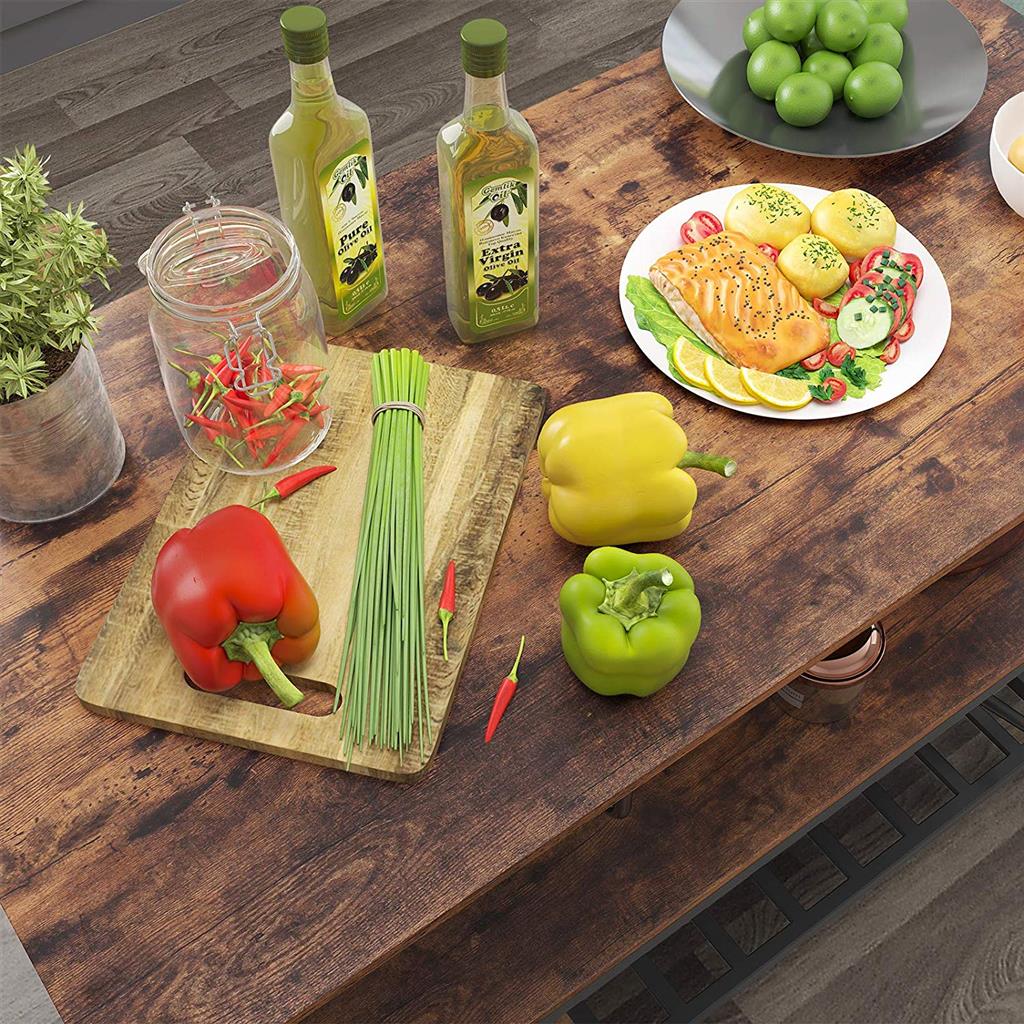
794 372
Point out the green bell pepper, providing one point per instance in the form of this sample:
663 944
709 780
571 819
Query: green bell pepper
628 621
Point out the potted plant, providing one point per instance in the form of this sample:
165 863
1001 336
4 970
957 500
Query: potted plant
60 446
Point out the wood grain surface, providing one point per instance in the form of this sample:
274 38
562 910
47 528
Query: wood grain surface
106 842
613 885
480 429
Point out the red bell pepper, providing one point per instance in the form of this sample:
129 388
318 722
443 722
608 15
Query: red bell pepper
233 604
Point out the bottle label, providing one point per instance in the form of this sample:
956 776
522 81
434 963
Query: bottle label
348 192
500 214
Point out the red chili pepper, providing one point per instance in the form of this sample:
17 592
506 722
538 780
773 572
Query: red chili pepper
298 370
216 426
282 394
307 388
286 439
290 484
505 693
236 398
266 431
446 606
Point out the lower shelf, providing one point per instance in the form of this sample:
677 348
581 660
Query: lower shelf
547 934
708 955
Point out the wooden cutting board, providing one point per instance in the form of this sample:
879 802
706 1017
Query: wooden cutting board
480 429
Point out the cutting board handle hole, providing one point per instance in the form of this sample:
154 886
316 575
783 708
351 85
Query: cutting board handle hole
319 696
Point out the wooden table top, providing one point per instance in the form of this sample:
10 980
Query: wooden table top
147 873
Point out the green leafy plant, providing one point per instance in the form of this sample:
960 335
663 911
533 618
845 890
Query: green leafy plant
47 257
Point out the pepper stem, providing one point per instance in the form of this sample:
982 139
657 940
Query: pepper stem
251 642
515 667
719 464
268 496
445 616
635 597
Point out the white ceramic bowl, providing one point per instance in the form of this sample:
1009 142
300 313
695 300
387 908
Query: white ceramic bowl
1006 126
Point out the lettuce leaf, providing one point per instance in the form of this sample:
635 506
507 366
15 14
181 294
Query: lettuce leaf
654 314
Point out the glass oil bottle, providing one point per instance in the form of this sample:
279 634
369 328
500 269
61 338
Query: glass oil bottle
323 168
487 164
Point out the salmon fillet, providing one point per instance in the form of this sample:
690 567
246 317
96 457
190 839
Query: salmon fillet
733 297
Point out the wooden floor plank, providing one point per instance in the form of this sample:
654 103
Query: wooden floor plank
106 146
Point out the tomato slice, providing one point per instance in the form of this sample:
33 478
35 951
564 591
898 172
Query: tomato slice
884 285
769 250
835 387
701 225
854 272
891 352
904 332
826 309
838 352
815 362
877 288
859 290
893 263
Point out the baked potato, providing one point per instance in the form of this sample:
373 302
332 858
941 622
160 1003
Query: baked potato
767 213
814 265
854 221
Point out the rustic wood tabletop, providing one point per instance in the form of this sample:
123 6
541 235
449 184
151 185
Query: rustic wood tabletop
147 872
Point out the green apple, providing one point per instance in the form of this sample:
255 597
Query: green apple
842 25
769 65
873 89
789 20
803 99
882 43
831 67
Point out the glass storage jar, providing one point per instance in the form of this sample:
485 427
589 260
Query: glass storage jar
238 335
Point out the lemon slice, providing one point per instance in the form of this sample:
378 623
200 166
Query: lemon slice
777 392
725 380
689 363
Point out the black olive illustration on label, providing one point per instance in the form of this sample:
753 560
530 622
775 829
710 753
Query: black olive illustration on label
495 287
500 212
348 193
356 266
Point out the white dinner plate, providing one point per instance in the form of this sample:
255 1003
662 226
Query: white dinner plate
932 311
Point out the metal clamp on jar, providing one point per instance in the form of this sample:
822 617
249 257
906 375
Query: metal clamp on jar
237 330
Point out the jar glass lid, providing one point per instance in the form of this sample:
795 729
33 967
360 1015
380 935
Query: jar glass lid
217 262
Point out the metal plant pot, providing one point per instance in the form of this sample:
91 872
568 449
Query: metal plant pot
60 449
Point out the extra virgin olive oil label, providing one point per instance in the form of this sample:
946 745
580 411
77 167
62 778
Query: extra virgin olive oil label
348 191
499 213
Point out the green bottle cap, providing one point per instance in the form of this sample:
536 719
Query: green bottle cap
304 29
484 48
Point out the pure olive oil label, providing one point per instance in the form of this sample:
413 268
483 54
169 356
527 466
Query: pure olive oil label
502 249
348 191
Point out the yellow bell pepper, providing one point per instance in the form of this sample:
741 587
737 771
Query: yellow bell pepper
613 470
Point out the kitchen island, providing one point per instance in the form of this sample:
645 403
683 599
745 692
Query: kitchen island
159 877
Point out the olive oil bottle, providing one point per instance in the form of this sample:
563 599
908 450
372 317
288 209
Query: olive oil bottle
487 169
323 167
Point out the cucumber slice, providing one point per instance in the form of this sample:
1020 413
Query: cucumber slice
862 326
